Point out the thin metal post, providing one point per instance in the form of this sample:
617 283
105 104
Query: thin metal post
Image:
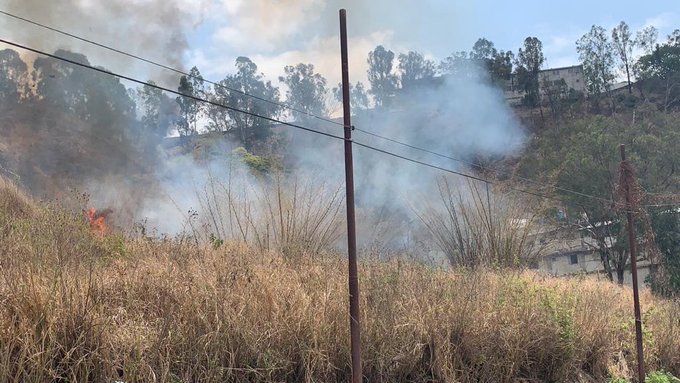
633 271
355 328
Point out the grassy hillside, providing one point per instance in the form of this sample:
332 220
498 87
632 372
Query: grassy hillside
75 307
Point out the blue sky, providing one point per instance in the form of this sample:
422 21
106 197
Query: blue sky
275 33
278 33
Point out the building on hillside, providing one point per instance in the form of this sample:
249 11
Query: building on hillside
553 82
575 252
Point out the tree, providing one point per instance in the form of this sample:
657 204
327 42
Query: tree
483 51
659 72
674 38
306 90
60 84
501 67
190 108
415 69
383 81
358 98
158 110
646 39
621 37
198 86
187 107
596 53
13 76
583 156
496 64
458 64
239 91
530 59
556 92
96 98
666 225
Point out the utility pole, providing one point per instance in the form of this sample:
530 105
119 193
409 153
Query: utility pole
627 179
355 328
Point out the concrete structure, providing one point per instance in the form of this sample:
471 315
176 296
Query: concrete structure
572 76
553 82
573 252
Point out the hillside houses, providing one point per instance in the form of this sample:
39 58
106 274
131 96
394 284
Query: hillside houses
571 251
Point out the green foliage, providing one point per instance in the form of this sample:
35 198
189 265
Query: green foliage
597 55
258 164
247 83
497 65
561 314
415 69
383 81
659 72
307 90
215 241
187 108
457 64
530 59
583 155
661 377
666 224
358 98
623 45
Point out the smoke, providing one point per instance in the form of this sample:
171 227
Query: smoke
154 29
265 24
461 117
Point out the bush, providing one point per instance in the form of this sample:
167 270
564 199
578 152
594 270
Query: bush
661 377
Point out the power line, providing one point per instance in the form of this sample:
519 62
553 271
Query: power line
478 166
469 176
175 70
199 99
167 67
104 71
107 72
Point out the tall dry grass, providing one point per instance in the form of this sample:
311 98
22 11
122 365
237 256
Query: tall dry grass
477 226
273 214
75 308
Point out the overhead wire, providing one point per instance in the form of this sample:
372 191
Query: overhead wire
286 106
167 67
450 171
478 166
297 126
195 98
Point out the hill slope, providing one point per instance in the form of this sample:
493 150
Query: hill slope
79 308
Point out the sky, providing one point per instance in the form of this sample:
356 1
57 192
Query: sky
306 30
212 33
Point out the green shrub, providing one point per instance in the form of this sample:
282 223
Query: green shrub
661 377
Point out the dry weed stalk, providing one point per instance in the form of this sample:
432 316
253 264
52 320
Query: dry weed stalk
76 308
275 214
479 227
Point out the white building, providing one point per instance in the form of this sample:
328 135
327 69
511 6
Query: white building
553 82
575 253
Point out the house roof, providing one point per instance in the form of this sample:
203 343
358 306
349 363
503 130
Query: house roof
562 68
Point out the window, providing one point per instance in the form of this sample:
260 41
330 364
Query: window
573 259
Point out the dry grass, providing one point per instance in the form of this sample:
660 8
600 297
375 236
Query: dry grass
73 308
475 226
286 216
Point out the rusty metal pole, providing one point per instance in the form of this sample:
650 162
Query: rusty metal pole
355 328
633 271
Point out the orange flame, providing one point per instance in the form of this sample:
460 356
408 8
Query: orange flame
97 220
